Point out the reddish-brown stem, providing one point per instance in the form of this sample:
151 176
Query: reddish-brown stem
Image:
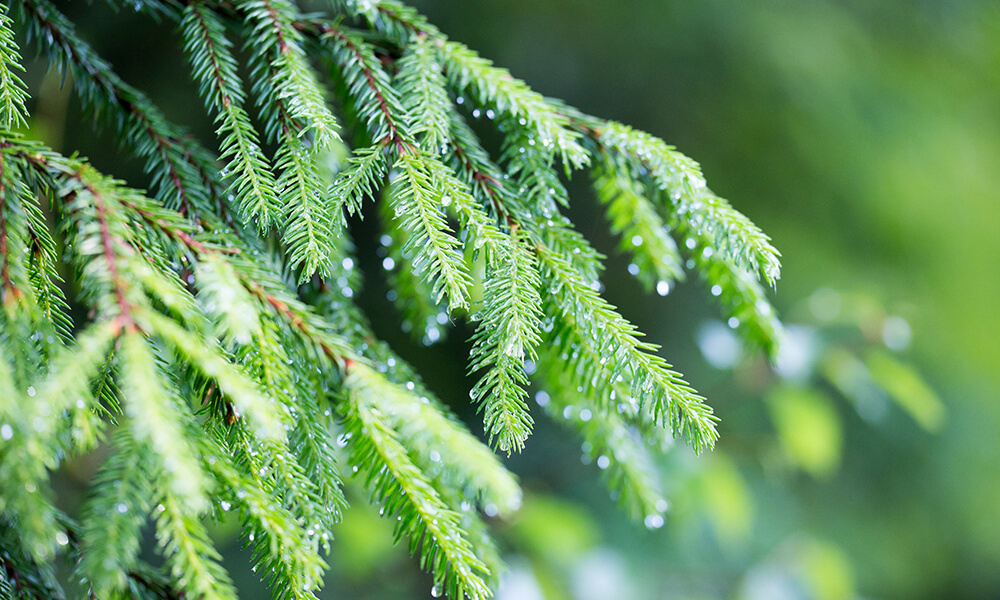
214 57
487 182
14 574
276 25
107 241
394 16
296 321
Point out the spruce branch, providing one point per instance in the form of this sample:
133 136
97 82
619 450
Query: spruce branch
21 574
297 118
682 186
191 557
369 87
485 83
643 233
113 518
36 427
743 299
507 335
215 68
493 86
671 400
43 271
416 199
13 114
218 356
363 175
422 85
13 233
473 166
412 295
283 552
403 490
298 98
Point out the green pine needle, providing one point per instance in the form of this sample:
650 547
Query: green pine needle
507 335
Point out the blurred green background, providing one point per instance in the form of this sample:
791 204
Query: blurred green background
864 137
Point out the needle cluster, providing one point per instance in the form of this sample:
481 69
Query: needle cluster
211 349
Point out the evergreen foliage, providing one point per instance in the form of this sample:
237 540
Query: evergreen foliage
212 344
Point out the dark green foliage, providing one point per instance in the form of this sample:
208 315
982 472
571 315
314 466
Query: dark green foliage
220 353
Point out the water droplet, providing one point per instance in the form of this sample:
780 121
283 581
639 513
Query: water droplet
122 508
733 322
514 349
636 240
662 287
437 590
475 113
348 263
716 290
896 333
388 263
491 510
603 462
31 391
653 521
6 431
61 538
585 415
633 269
542 399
